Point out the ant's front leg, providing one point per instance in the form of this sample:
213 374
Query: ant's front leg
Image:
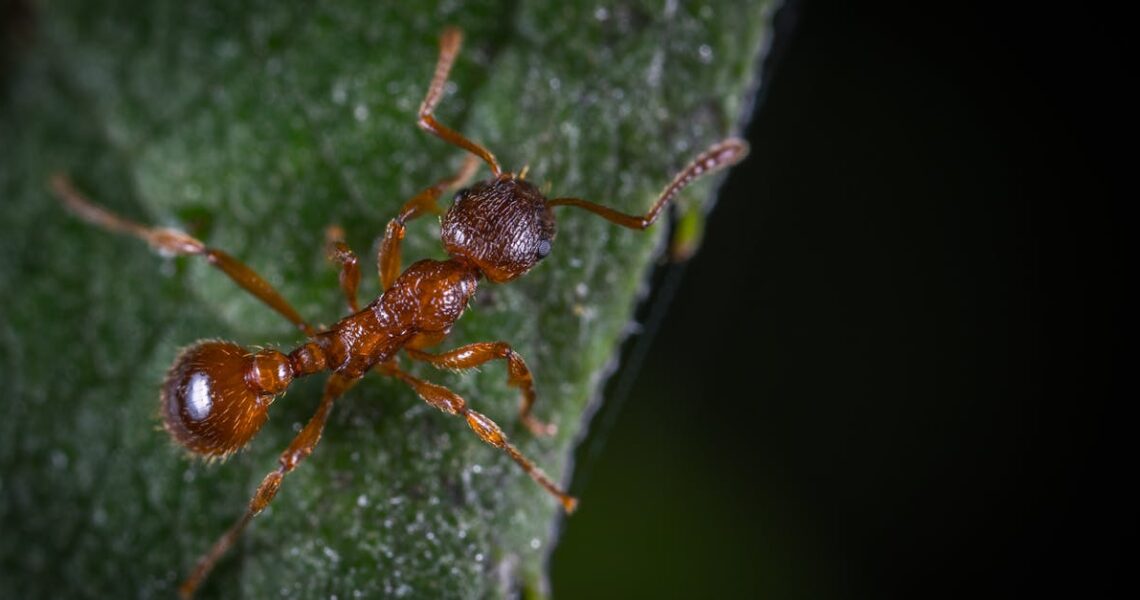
487 430
518 375
300 448
338 251
422 203
173 242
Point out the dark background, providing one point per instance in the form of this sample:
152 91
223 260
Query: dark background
896 366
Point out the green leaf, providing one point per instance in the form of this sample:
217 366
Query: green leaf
254 126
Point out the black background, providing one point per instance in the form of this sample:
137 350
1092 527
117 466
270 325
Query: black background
896 368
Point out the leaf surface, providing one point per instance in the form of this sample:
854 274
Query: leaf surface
254 126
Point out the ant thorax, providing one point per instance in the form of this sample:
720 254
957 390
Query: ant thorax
427 299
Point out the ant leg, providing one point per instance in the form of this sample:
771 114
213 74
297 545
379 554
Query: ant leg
338 252
487 430
720 155
173 242
301 446
422 203
518 375
449 44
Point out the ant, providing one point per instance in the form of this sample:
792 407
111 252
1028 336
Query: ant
217 394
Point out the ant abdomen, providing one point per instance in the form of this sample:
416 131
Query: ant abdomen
217 395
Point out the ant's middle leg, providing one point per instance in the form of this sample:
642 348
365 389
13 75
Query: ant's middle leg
449 44
487 430
518 375
300 448
173 242
388 260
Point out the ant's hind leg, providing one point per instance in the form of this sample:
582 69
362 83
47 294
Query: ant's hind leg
449 44
388 260
487 430
173 242
518 375
338 251
301 446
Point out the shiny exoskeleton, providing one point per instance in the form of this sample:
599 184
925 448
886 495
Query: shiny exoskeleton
217 394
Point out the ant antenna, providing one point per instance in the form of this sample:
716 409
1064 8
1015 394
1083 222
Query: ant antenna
718 156
449 44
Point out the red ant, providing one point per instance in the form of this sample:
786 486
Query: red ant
217 394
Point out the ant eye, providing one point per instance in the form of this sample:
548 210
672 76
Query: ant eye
543 248
460 194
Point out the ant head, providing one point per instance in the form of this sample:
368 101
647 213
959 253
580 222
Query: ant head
504 226
217 395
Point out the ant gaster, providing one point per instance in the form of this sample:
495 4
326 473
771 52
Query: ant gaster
217 395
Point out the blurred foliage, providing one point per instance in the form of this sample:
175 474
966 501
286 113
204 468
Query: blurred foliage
254 125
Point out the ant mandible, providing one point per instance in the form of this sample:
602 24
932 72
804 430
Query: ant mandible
217 394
